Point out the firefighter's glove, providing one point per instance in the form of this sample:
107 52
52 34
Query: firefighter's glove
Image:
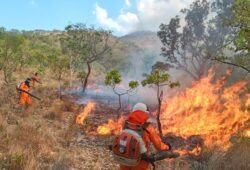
148 158
169 146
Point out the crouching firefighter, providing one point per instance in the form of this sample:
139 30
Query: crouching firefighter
131 145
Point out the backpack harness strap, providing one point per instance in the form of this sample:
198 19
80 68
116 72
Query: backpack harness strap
136 127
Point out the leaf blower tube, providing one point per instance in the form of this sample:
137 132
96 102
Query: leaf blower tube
32 95
159 156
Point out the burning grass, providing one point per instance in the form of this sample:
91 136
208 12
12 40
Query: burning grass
112 127
210 109
209 121
87 109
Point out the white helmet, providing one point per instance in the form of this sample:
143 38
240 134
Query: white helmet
140 106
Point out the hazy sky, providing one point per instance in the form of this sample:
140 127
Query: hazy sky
120 16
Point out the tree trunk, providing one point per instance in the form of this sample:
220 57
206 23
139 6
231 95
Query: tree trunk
120 106
86 79
82 81
159 98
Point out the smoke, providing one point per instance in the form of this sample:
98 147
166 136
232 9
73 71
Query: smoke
148 53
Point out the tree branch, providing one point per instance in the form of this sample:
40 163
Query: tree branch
233 64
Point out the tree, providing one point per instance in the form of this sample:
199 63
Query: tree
66 43
117 57
190 48
39 49
184 49
239 21
81 75
88 44
59 67
159 79
10 52
113 78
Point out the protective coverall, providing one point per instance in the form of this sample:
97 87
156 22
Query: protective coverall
24 97
149 135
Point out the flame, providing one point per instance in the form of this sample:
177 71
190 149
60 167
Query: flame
88 108
196 151
248 133
112 127
211 110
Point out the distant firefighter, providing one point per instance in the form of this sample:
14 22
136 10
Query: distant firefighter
35 79
23 88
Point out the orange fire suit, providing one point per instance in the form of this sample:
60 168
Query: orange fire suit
24 97
35 80
140 117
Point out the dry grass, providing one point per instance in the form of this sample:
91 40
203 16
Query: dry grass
48 138
38 138
236 158
29 141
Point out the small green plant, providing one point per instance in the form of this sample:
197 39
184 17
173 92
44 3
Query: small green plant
114 78
17 161
159 79
81 76
14 161
66 84
41 69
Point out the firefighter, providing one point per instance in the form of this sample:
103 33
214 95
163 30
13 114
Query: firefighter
140 115
25 100
35 79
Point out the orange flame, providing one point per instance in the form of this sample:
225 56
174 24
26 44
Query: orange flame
248 133
211 110
195 151
112 127
81 117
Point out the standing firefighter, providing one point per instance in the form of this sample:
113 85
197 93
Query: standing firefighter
131 145
24 87
35 79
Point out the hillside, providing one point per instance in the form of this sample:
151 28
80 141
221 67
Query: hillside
144 39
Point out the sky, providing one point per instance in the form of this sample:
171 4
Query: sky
120 16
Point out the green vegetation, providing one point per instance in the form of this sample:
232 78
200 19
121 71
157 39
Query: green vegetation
184 48
113 78
240 21
203 39
82 55
86 45
159 78
10 52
